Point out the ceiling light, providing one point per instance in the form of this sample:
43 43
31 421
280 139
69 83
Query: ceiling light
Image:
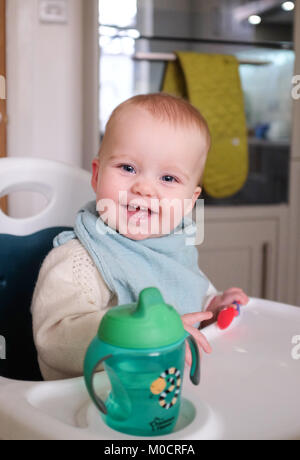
254 19
288 6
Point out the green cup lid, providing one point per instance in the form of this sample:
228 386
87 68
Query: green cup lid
150 323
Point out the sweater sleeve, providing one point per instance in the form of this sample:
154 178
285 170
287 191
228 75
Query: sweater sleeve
69 301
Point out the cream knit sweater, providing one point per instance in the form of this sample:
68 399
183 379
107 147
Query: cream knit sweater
69 301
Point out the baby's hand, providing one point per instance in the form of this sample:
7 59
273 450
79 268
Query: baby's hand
188 321
224 300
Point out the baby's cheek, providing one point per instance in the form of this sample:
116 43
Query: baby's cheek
172 215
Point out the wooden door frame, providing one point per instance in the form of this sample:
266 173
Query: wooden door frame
3 113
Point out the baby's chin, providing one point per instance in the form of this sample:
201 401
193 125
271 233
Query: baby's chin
140 236
144 231
143 235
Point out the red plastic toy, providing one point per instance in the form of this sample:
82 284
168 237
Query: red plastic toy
227 315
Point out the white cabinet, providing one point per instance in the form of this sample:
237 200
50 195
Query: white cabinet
245 247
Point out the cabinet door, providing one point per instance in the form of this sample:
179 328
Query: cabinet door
241 254
296 113
294 236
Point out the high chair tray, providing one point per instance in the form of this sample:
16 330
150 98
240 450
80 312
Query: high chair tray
249 389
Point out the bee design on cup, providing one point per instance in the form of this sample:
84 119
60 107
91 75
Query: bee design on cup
172 377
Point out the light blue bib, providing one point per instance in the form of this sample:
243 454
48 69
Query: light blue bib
128 266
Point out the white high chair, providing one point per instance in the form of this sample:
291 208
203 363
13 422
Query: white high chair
65 187
250 383
25 242
249 389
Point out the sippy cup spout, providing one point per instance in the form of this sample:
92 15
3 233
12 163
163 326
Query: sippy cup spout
148 324
149 298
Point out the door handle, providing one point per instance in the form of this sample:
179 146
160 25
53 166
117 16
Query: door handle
266 251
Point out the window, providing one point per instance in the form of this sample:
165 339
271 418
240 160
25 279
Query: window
116 69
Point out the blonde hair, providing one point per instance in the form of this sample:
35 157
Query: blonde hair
165 107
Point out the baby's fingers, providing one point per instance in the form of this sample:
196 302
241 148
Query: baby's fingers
200 339
192 318
238 296
188 355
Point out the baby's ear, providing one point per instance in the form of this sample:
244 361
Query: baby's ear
191 203
196 194
95 174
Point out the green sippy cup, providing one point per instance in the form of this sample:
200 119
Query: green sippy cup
143 349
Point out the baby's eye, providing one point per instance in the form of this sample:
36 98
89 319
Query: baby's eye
169 179
128 168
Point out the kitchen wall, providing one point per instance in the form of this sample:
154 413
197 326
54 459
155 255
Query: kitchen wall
51 107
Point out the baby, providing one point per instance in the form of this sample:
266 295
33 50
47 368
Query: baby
146 179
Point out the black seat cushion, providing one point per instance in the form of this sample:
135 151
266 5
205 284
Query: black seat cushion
20 261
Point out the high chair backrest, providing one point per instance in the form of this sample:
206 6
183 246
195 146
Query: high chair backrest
24 243
65 187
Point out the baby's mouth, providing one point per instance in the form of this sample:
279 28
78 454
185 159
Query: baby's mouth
142 211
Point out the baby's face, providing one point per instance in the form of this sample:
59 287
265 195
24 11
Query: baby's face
146 177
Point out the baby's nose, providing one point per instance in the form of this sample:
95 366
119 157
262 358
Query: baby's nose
144 188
